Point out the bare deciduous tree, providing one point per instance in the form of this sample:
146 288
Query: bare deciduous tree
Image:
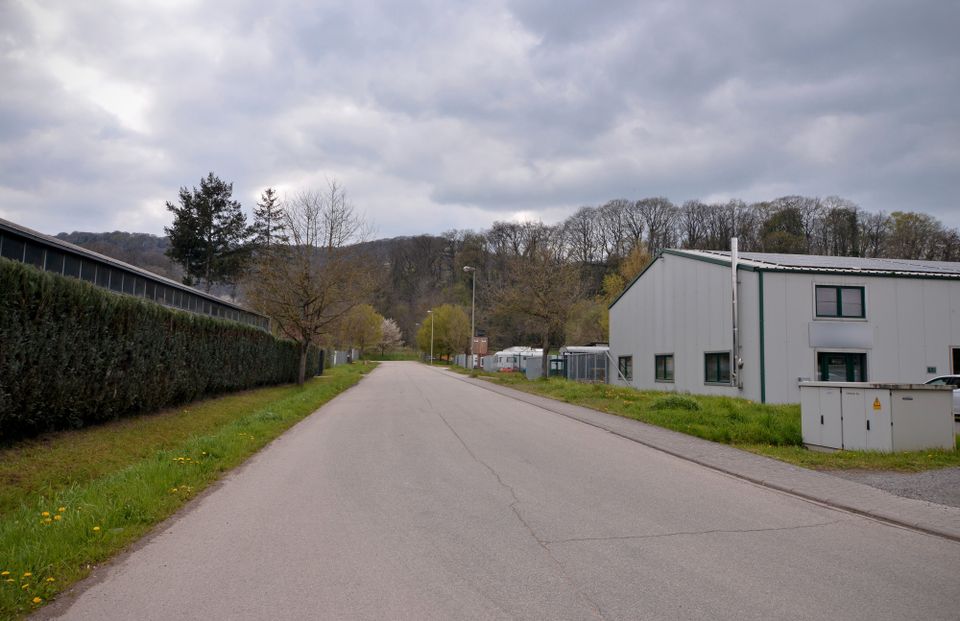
308 285
542 287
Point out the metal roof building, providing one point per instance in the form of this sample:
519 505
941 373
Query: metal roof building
799 317
59 257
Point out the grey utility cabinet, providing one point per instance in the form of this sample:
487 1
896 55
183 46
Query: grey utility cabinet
876 417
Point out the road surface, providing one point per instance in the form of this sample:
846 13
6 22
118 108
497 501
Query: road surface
416 495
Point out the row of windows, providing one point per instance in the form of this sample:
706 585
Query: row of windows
716 367
118 280
831 367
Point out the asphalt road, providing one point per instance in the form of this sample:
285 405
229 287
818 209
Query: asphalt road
418 496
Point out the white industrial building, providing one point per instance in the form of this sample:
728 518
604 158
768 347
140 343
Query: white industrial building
799 317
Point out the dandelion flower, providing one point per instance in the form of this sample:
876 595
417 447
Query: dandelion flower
37 600
58 517
27 574
48 520
24 587
61 509
45 514
96 529
51 579
4 573
9 580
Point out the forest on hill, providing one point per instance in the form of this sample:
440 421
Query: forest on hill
537 282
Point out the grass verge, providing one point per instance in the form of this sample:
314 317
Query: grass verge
71 500
770 430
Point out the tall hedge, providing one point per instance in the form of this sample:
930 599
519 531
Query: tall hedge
72 354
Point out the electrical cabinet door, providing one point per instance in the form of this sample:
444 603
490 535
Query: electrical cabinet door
877 407
854 419
810 417
821 421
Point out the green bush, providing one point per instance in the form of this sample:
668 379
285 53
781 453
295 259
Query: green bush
72 354
676 402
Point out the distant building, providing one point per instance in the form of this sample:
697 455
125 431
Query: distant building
59 257
515 358
586 363
801 317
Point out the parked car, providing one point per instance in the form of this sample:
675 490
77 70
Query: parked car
949 380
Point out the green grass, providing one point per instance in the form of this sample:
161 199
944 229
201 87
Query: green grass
71 500
771 430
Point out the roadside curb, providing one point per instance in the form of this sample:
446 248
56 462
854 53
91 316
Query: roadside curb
835 492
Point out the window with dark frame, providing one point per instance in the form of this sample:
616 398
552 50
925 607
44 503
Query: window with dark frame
34 255
54 262
71 266
625 364
842 366
664 367
840 302
716 368
88 271
12 248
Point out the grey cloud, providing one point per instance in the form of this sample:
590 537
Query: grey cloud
467 111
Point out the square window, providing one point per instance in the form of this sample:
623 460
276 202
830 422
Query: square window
664 367
833 301
716 368
88 271
54 262
71 266
12 248
34 255
826 302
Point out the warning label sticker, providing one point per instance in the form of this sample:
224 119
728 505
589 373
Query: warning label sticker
876 404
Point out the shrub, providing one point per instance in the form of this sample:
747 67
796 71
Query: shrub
72 354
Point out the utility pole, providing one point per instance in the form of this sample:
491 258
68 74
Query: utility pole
473 309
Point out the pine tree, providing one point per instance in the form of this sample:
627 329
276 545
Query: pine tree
209 234
268 221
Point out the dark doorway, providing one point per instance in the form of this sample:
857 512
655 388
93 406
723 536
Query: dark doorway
955 360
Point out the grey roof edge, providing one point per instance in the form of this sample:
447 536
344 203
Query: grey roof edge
49 239
680 253
746 261
722 257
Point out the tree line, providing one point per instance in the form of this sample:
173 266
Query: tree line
308 263
546 285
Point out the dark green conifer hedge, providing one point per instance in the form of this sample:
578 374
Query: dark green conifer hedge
72 354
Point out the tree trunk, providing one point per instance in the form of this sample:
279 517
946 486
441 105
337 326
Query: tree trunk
302 375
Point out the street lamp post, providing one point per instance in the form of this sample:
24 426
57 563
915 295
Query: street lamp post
473 308
430 312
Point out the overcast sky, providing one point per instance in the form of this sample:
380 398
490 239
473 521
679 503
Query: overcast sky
443 114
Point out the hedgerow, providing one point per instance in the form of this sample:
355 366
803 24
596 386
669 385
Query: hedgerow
72 354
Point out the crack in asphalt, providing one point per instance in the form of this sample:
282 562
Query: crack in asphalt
516 511
692 533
